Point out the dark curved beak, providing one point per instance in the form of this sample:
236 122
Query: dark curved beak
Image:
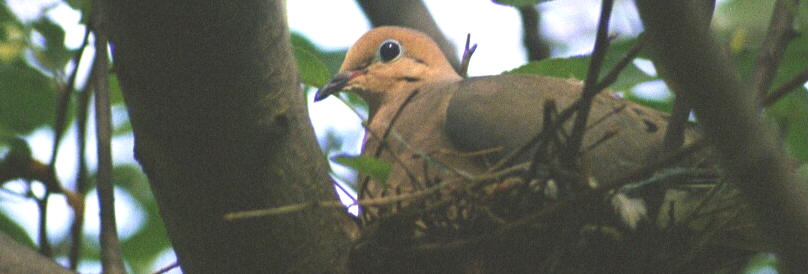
335 85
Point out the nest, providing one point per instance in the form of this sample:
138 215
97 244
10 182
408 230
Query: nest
547 215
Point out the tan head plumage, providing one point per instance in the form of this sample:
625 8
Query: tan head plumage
387 61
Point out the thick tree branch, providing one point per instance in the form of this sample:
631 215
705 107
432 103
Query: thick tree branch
17 258
748 150
675 134
220 125
412 14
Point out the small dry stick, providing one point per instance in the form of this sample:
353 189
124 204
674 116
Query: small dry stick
464 64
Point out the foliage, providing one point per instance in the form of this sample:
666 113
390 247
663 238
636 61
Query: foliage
366 165
34 64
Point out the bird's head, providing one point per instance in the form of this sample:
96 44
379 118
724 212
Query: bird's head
389 61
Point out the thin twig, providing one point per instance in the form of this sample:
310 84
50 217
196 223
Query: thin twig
464 63
632 53
82 184
590 83
111 259
771 51
168 268
795 83
44 243
76 233
387 200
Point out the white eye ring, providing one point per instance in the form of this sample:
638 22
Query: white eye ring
389 50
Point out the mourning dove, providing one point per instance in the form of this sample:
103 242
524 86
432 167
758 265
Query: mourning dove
431 119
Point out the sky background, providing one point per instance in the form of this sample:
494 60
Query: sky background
331 25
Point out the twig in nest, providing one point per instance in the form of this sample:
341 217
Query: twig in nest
464 63
569 202
372 201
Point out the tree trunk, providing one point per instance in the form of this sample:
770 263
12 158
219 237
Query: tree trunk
220 125
752 157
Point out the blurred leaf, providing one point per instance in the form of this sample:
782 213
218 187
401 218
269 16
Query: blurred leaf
19 151
791 114
55 55
312 71
28 98
375 168
12 37
577 66
749 19
115 93
143 247
519 3
331 59
762 263
15 231
570 67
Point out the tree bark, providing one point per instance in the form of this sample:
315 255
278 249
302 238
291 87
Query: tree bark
749 152
220 125
17 258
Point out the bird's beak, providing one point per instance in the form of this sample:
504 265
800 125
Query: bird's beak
338 83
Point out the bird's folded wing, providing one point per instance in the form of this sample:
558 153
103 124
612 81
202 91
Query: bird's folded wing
506 111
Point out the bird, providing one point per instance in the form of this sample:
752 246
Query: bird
426 120
434 126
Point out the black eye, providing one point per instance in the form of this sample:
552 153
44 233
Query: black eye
389 50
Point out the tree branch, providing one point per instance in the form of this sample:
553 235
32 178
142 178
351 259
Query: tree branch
771 51
749 152
536 47
590 84
792 85
17 258
111 259
675 134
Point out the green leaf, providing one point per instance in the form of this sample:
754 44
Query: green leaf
55 55
373 167
19 151
143 247
331 59
519 3
15 231
312 71
577 66
791 115
115 93
28 99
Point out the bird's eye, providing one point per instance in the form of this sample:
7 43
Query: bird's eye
389 50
